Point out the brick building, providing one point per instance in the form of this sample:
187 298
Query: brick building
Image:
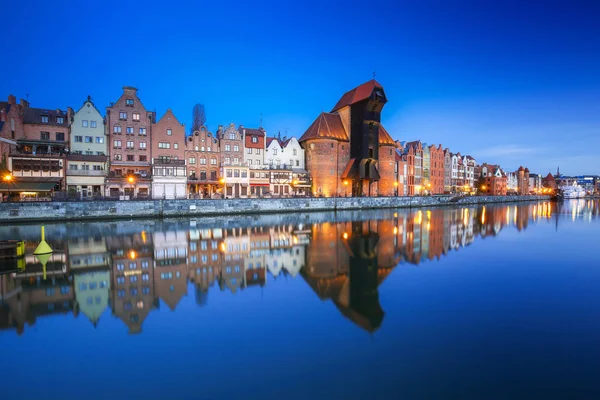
11 126
203 156
347 150
495 180
129 127
447 171
437 172
168 158
523 181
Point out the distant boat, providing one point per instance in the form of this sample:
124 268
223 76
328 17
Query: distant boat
572 191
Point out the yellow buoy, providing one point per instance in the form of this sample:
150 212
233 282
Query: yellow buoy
43 247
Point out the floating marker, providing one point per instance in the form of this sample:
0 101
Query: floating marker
43 247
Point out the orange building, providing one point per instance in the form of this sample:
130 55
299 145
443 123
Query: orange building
348 152
436 155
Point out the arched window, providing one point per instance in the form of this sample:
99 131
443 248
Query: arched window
213 175
202 175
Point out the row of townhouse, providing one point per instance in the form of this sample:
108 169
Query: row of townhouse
130 153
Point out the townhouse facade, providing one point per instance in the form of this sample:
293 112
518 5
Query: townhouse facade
168 158
203 157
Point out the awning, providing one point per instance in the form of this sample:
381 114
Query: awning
27 186
351 171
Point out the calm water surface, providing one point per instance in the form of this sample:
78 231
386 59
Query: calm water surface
472 302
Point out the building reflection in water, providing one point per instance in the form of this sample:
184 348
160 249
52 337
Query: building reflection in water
134 268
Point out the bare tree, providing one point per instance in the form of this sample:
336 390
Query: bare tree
198 117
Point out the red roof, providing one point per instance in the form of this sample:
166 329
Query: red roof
384 137
254 132
326 126
357 94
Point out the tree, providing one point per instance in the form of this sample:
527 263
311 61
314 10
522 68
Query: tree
198 117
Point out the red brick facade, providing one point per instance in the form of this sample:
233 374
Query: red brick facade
436 169
168 138
325 161
203 159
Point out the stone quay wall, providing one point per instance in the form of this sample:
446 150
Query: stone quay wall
102 210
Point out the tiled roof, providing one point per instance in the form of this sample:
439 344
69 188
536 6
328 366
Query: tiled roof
384 137
254 132
270 139
357 94
326 126
34 116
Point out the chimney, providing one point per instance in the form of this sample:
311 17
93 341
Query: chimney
24 103
12 99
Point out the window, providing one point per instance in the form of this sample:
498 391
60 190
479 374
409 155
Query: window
130 157
89 139
297 163
192 160
60 120
136 116
123 115
129 130
143 158
296 152
92 124
229 173
98 168
117 144
213 161
118 157
203 161
236 160
227 160
78 139
208 148
258 151
133 279
254 139
120 280
164 145
235 148
249 151
142 131
244 173
142 145
274 152
99 139
169 132
44 119
144 264
117 129
227 147
84 123
129 102
73 167
45 135
236 173
130 145
175 146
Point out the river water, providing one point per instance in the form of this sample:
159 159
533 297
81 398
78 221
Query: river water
471 302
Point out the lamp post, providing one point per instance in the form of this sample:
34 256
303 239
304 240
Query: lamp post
396 188
131 180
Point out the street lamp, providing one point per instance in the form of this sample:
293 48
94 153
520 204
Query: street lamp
418 189
7 178
131 180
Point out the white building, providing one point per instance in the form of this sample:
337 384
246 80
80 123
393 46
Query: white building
512 184
284 153
87 131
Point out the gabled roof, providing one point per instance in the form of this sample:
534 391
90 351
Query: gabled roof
357 94
326 126
384 137
270 140
168 112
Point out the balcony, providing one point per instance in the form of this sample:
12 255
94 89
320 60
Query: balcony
168 161
202 179
137 175
80 172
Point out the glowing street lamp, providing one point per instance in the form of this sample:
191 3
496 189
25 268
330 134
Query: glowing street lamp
131 179
7 178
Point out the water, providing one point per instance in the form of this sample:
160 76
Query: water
470 302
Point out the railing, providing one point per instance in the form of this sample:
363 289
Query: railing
163 161
80 172
113 175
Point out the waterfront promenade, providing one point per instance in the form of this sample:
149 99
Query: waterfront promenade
102 210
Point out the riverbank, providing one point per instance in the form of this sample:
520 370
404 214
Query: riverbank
103 210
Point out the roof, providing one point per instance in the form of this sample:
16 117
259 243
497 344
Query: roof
168 112
253 132
326 126
34 116
357 94
384 137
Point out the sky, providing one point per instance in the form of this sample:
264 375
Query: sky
508 82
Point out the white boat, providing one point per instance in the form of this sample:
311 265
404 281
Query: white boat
573 192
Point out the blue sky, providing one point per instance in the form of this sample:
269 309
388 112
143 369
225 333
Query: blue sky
507 82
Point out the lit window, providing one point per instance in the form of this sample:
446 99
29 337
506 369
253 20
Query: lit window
136 116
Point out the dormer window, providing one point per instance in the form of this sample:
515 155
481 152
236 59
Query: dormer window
60 120
44 119
254 139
